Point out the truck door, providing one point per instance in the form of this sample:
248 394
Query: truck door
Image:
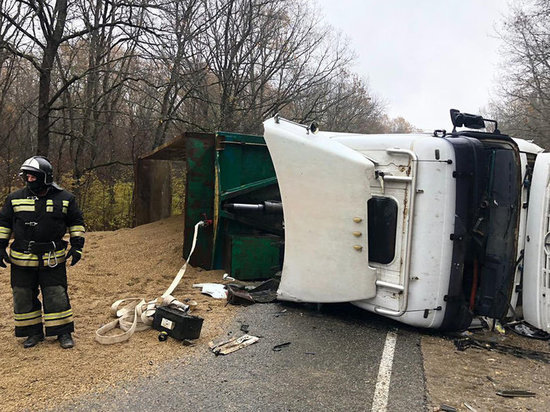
325 187
536 274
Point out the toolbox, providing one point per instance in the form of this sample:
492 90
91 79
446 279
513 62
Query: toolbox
177 323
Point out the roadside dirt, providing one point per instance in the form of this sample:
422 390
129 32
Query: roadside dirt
473 376
139 262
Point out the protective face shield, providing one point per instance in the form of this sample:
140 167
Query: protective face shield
41 168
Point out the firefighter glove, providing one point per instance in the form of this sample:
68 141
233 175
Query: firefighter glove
4 258
76 254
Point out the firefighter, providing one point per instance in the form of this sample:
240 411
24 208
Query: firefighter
38 216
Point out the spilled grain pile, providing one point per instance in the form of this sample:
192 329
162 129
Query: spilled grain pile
139 262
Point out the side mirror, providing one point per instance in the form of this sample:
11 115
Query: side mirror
471 121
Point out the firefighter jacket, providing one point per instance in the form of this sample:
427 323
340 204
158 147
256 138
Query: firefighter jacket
38 225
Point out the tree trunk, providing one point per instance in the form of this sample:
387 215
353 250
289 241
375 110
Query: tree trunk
43 146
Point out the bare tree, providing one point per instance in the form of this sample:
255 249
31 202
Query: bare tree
45 26
264 54
342 104
175 58
525 85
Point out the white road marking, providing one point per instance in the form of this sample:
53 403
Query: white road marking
381 392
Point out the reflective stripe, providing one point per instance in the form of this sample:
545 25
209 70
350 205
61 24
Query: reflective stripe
58 315
21 323
23 205
49 205
58 318
5 232
23 208
77 231
25 316
16 202
27 319
31 260
50 323
65 206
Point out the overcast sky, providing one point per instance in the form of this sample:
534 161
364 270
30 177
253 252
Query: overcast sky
423 57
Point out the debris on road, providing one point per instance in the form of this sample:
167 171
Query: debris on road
516 393
511 392
469 407
265 292
278 348
280 313
522 328
238 296
462 344
232 345
447 408
215 290
227 277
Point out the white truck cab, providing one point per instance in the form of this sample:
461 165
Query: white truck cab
430 230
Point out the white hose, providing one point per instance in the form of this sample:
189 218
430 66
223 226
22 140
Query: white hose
138 315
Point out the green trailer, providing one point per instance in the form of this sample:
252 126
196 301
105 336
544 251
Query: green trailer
230 183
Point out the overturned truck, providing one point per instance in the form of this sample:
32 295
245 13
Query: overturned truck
430 230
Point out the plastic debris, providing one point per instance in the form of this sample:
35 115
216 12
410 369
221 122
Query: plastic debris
232 345
227 277
499 328
216 290
522 328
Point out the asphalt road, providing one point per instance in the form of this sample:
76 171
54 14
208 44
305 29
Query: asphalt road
331 364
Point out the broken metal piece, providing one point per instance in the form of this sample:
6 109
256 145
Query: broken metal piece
282 312
277 348
515 393
469 407
232 345
447 408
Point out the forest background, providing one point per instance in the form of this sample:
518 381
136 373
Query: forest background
94 84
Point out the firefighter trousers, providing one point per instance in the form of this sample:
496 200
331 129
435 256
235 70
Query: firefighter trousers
26 283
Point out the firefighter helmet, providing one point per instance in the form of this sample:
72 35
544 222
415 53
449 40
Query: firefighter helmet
40 167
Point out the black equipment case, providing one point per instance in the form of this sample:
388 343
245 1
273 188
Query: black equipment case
177 323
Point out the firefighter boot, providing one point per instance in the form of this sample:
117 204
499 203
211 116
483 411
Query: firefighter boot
65 340
32 341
